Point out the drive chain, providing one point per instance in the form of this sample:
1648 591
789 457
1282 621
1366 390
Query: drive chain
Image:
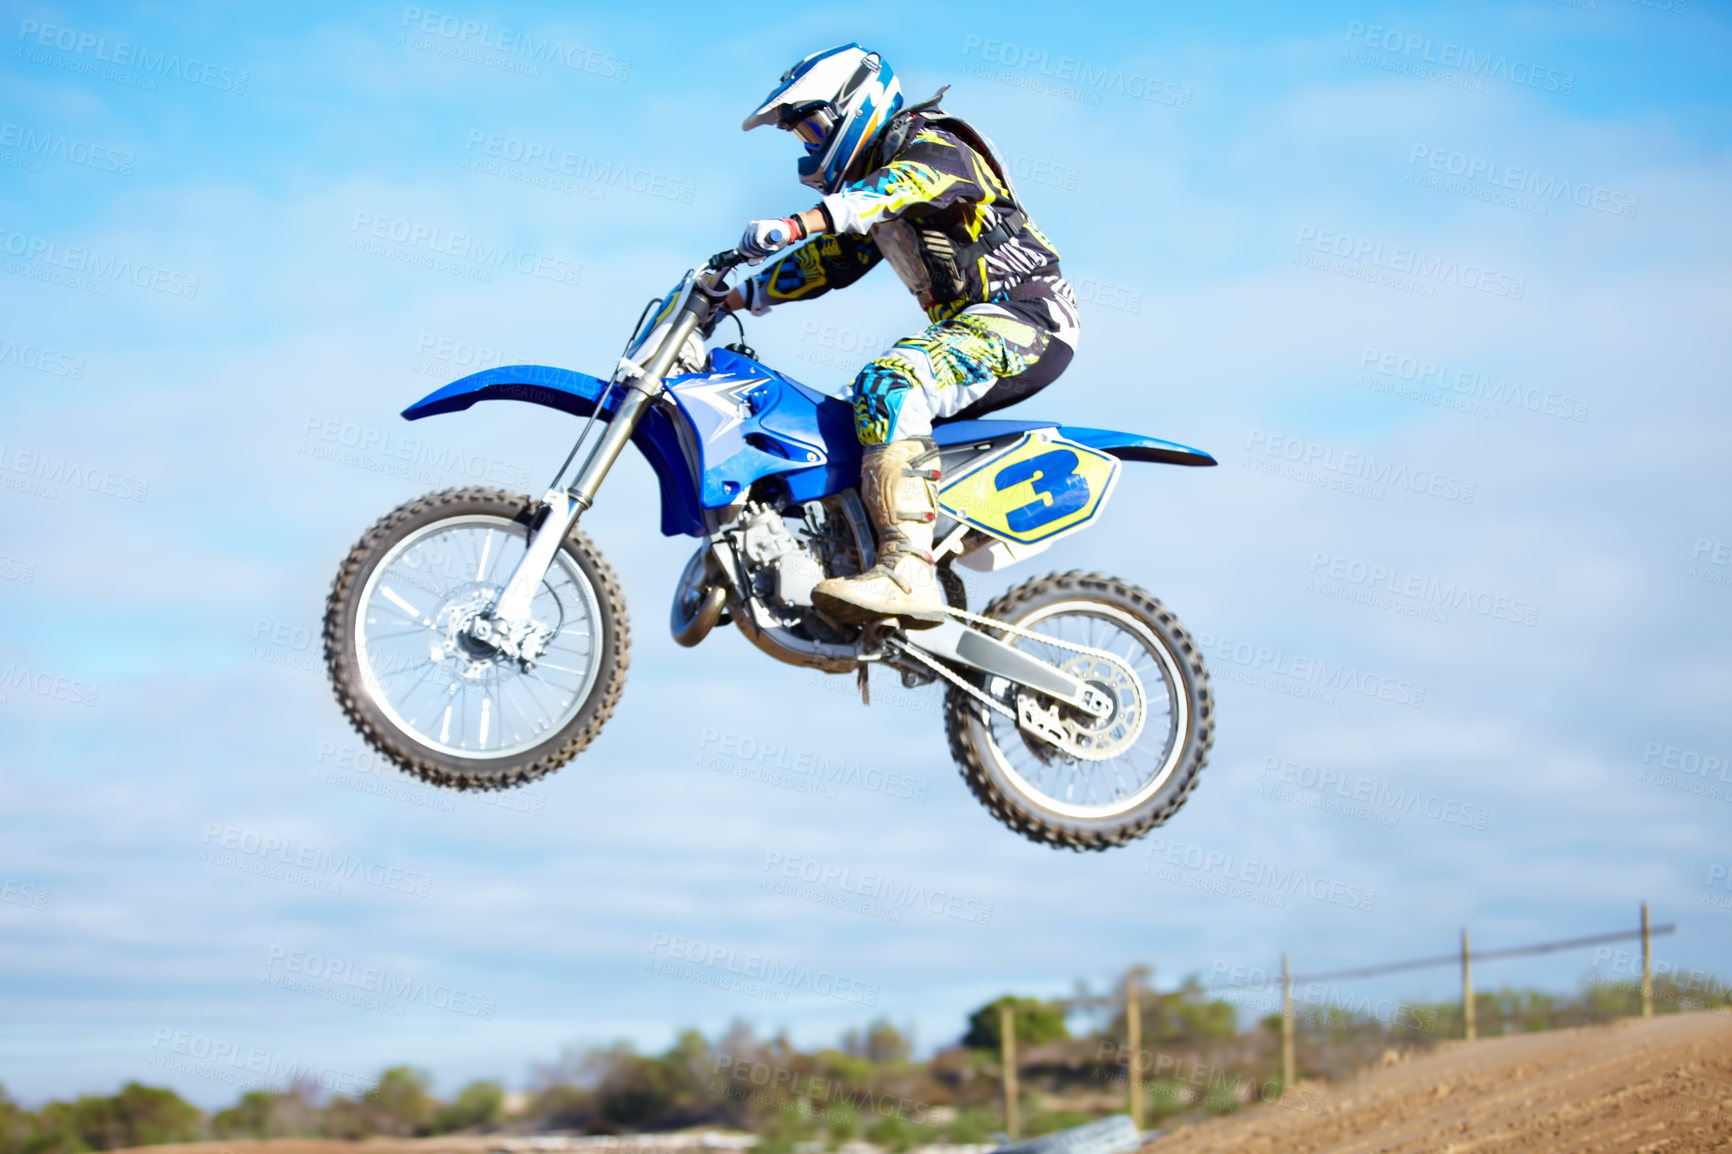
955 679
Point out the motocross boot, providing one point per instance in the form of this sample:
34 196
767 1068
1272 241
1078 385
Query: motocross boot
896 485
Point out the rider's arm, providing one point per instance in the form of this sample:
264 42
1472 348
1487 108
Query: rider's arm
827 261
814 220
934 170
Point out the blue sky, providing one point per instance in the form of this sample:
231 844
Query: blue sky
1325 236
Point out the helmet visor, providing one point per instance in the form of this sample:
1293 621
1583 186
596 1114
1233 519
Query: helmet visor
812 125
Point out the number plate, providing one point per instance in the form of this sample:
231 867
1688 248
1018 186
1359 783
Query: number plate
1037 489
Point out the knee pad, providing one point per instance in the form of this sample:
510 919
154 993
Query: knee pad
879 392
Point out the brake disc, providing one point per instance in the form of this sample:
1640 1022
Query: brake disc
467 642
455 643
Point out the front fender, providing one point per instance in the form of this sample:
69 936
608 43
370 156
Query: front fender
562 389
578 394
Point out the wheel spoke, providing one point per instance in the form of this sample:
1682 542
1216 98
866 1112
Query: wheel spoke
561 668
1144 732
405 669
418 632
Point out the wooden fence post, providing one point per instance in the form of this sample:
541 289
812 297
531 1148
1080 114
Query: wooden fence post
1007 1057
1287 1071
1134 1038
1466 988
1647 967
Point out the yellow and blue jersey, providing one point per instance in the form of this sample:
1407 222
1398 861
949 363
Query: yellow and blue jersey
929 202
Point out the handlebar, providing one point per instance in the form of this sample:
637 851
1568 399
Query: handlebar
711 287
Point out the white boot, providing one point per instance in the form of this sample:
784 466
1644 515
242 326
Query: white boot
903 503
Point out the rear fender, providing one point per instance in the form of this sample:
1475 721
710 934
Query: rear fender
1026 491
579 394
1135 447
1124 446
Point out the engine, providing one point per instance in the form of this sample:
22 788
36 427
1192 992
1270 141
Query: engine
785 558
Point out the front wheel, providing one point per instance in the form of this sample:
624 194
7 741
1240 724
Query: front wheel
411 674
1124 773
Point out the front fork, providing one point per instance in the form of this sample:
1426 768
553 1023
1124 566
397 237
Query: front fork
510 620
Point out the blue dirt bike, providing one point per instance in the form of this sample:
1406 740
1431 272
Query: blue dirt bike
477 638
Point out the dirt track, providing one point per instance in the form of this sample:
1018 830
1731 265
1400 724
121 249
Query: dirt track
1662 1086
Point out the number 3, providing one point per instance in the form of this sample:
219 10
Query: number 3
1062 489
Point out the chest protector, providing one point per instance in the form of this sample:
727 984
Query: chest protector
931 249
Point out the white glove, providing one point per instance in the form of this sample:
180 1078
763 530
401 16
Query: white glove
764 237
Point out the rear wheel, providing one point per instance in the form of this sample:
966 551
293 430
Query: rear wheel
418 684
1122 774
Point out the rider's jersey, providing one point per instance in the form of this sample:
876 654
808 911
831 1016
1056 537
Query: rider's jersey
929 204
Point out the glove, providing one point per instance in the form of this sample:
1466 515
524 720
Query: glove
764 237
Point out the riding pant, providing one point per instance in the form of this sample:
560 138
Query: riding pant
986 357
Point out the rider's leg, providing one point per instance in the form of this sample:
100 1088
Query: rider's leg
893 419
1050 304
896 398
896 488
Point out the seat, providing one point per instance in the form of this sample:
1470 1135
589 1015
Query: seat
964 432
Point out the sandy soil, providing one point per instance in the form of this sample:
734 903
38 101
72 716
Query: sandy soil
1662 1086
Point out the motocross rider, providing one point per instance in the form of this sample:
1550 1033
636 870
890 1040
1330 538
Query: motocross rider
927 192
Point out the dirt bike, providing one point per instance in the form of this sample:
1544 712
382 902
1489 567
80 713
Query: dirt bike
478 640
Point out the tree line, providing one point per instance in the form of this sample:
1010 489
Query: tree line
1073 1066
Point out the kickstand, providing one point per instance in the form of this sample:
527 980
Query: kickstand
865 685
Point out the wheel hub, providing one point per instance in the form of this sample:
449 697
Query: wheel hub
462 640
1087 735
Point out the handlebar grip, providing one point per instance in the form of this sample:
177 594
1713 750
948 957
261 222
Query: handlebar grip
728 258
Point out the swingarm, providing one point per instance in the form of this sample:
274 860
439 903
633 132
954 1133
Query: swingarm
959 644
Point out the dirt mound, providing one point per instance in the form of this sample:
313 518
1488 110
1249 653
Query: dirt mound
1662 1086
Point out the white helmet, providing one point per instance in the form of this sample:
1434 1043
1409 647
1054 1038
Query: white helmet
838 102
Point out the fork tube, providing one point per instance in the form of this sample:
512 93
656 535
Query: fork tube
563 509
513 605
624 422
607 449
